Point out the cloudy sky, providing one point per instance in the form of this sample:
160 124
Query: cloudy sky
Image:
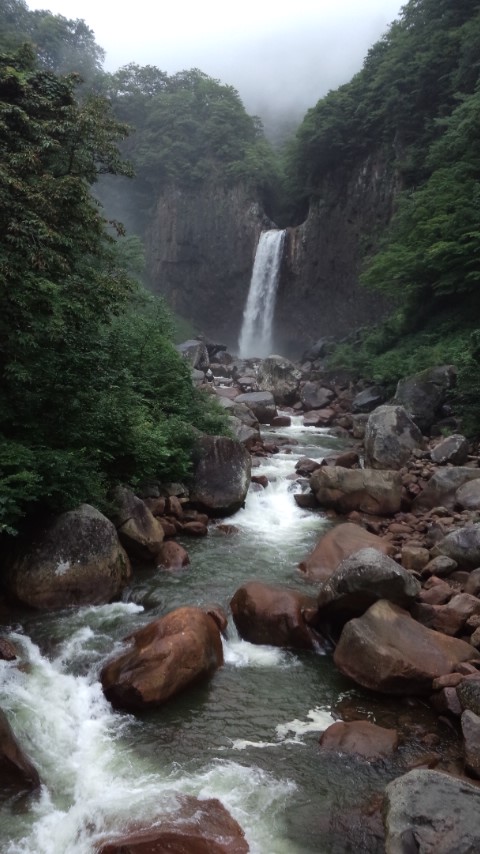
279 54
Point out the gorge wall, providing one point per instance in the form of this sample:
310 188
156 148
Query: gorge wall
201 245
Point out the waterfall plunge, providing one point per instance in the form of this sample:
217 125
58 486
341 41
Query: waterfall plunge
256 332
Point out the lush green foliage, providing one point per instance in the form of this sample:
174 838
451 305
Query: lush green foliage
92 392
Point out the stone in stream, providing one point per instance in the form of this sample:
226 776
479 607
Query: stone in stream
164 658
267 614
337 544
196 827
17 772
388 651
172 555
140 532
431 813
221 476
361 738
78 560
366 490
280 377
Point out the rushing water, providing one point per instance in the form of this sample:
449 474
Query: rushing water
256 333
248 737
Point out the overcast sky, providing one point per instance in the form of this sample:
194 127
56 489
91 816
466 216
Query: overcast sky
284 54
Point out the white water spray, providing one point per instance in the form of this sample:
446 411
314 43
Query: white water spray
256 332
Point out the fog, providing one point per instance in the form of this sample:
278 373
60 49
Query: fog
281 56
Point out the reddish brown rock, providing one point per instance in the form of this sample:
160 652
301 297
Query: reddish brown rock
318 417
362 738
169 529
446 702
140 532
199 827
337 544
172 555
450 618
174 507
164 657
7 650
415 558
17 772
195 529
387 651
266 614
368 491
347 460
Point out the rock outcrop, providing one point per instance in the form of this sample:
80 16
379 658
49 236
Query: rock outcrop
221 476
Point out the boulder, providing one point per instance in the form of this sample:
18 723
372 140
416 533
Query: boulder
197 827
140 532
431 813
172 555
468 496
360 738
315 396
462 546
442 487
387 651
17 772
362 579
261 403
453 449
221 475
248 436
318 417
266 614
423 394
280 377
196 353
164 658
337 544
390 438
448 618
78 560
471 738
317 351
366 490
368 399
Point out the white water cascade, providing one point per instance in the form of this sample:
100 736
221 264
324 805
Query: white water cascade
256 333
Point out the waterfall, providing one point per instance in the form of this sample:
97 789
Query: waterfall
256 333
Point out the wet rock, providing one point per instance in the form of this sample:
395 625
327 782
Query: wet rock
197 827
440 566
361 738
471 736
221 476
196 353
164 658
261 403
78 560
17 772
280 377
315 396
337 544
468 693
423 394
415 558
7 650
387 651
467 497
318 417
368 399
473 583
442 487
248 436
172 555
362 579
194 529
347 460
140 532
428 811
305 466
368 491
453 449
267 614
449 618
446 703
390 438
462 546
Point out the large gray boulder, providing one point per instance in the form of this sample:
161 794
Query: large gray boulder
462 546
390 438
280 377
366 490
431 813
140 533
221 476
362 579
442 487
423 394
315 396
78 560
368 399
261 403
452 449
196 353
386 650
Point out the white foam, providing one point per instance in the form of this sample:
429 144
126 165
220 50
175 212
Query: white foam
241 653
317 720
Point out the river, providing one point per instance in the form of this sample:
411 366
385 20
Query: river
248 737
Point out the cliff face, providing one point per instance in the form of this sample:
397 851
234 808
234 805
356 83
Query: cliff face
200 250
201 246
319 293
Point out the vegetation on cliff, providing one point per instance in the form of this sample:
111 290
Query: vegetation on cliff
92 390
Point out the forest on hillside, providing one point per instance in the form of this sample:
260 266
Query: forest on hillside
93 392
